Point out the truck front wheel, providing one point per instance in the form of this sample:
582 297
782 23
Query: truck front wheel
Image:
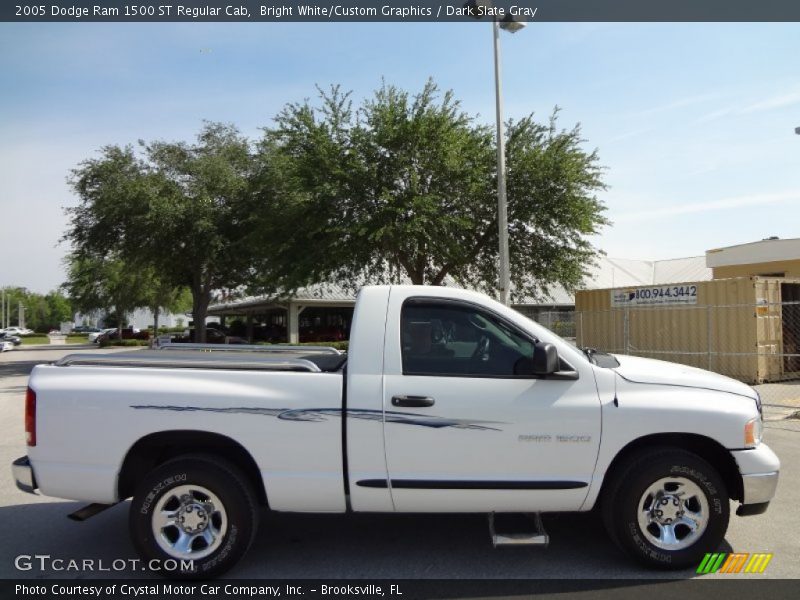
193 517
667 508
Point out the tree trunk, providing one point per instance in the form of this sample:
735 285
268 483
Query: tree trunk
120 323
416 278
156 310
201 298
439 278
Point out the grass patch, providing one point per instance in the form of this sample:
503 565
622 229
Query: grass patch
41 338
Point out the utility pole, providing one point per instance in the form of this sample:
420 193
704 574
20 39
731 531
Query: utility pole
511 25
502 202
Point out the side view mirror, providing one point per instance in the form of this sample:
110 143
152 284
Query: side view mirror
545 359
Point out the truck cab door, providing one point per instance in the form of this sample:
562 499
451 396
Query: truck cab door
468 427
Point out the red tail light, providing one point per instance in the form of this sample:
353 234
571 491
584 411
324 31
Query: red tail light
30 416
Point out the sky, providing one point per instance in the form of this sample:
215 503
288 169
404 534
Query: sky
693 123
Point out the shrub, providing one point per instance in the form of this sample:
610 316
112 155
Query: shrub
105 343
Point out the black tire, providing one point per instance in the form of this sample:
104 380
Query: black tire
231 527
625 493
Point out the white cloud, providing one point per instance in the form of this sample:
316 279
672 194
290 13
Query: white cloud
675 104
780 100
629 134
714 205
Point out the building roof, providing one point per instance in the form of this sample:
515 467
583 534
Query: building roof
762 251
626 272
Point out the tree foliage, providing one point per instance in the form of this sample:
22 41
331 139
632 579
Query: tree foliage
173 209
42 312
104 283
405 187
110 284
402 187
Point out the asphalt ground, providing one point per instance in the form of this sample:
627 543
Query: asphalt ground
296 546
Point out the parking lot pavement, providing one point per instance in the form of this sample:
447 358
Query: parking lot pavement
371 546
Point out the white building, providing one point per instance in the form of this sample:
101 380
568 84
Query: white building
141 318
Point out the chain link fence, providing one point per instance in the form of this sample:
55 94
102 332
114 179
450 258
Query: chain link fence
561 322
758 344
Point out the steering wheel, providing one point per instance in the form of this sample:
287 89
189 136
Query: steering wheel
482 349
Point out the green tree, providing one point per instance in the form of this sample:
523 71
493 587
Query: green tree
106 283
41 312
162 296
59 308
405 186
173 210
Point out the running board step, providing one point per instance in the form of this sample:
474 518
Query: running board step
515 529
87 512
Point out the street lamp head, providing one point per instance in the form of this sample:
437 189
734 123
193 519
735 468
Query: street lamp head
510 24
797 130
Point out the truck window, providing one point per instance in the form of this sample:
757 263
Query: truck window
449 339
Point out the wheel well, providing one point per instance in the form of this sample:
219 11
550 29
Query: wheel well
710 450
157 448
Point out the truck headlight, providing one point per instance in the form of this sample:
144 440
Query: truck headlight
753 431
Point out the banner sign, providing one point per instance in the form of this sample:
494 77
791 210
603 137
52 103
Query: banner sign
661 294
402 10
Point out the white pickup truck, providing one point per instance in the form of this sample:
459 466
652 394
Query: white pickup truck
447 401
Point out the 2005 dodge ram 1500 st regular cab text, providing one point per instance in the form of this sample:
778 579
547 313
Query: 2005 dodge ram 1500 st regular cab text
446 402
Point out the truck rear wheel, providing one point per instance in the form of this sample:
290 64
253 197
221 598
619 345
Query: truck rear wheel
667 508
193 517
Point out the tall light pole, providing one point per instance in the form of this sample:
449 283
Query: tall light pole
480 8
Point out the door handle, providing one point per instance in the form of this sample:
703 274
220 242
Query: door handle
413 401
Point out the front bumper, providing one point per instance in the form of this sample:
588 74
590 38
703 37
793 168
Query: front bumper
760 469
23 475
759 487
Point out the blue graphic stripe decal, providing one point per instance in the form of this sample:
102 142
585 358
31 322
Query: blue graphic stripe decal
322 414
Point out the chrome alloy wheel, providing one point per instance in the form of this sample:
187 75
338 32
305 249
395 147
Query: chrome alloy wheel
189 521
673 513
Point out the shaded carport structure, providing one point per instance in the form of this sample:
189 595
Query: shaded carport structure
326 303
308 311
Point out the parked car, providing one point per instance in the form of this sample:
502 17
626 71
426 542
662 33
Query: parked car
448 402
213 336
127 334
6 345
85 329
14 339
96 334
18 331
323 334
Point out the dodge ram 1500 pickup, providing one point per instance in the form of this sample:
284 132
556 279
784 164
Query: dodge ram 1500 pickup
446 401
